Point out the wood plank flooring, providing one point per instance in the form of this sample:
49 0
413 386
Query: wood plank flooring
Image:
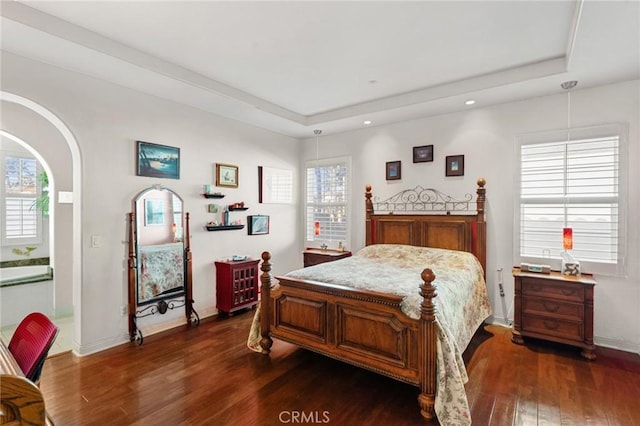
206 376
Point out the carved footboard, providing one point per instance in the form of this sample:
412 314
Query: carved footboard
363 328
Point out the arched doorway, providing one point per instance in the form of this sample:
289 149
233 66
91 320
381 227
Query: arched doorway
27 111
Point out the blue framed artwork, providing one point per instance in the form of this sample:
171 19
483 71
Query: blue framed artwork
159 161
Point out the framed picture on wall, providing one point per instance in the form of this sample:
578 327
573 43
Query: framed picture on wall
394 170
422 154
258 224
159 161
226 175
454 165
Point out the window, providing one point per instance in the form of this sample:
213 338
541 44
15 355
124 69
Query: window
572 183
327 201
21 220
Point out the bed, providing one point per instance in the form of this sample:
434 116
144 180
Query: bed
417 341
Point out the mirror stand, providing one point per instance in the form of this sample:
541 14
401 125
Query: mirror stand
167 300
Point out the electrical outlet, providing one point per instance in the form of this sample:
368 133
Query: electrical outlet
123 310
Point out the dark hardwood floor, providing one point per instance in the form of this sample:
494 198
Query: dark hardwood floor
206 376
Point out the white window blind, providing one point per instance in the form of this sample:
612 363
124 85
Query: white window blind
574 184
327 201
20 192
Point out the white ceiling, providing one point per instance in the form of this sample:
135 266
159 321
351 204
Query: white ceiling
295 66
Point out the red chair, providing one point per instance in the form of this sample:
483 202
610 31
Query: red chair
31 342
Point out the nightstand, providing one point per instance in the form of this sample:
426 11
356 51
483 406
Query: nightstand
554 307
314 256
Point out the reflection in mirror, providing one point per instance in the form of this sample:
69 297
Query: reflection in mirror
159 259
159 245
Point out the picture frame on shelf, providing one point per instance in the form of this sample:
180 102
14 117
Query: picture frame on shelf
226 175
454 165
158 161
258 224
423 154
394 170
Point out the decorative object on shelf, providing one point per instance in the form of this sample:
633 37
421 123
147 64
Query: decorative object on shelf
226 175
237 206
324 247
208 194
258 224
225 216
158 161
454 165
423 154
394 170
570 266
275 186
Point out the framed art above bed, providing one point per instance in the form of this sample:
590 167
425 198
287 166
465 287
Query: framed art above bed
394 326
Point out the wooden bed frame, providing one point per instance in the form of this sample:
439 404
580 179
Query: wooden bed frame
366 328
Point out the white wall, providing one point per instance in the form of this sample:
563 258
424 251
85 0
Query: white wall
486 137
106 120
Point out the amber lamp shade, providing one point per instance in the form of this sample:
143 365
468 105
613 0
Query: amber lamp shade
316 228
567 238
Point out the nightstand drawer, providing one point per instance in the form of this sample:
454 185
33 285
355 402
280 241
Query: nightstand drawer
553 327
540 288
553 308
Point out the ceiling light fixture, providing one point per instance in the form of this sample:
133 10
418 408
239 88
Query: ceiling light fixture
367 122
469 102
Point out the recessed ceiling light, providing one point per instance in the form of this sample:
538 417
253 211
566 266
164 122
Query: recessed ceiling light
367 122
469 102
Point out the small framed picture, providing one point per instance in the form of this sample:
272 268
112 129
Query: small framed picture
226 175
394 170
258 224
153 212
422 154
158 161
454 165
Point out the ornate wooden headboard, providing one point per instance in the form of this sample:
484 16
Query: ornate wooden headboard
423 217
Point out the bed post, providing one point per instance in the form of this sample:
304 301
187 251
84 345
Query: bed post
265 303
481 224
368 205
427 346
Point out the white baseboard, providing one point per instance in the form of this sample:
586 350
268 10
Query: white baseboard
103 344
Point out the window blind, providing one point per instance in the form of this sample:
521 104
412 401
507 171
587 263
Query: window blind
20 191
327 201
571 184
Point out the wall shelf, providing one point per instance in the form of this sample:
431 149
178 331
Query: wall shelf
231 209
223 227
213 195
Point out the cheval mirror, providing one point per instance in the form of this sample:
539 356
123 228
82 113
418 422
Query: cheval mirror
159 258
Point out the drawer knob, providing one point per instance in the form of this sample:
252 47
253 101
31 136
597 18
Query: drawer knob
568 292
551 307
551 325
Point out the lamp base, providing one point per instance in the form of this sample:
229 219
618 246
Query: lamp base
570 266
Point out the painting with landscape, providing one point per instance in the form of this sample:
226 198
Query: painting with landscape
158 161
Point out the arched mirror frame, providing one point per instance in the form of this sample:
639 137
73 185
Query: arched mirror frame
172 300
